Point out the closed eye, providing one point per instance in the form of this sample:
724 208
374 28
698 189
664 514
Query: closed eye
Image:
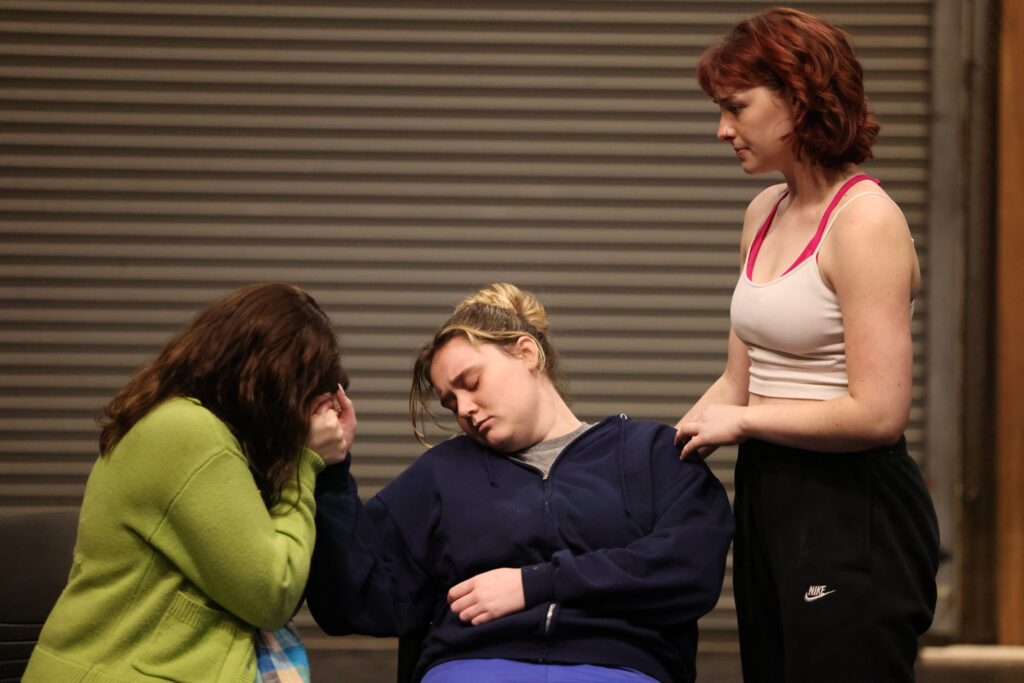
447 402
464 382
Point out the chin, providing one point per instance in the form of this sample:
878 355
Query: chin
484 441
505 444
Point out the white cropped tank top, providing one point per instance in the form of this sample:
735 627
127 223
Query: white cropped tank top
792 325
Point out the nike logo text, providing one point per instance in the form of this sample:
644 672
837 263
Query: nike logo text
817 593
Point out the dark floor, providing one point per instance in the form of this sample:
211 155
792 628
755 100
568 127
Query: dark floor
377 666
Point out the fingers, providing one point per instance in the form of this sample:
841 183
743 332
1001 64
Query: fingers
685 432
488 596
323 404
679 425
346 417
477 619
339 402
459 590
686 429
464 602
344 403
468 609
332 431
345 408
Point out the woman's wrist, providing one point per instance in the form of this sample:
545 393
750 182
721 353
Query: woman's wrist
748 418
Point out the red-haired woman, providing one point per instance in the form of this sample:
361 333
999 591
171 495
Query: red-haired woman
836 544
197 525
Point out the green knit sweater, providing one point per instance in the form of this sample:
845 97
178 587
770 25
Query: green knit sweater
178 560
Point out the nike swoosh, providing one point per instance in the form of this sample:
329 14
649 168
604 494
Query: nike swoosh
808 598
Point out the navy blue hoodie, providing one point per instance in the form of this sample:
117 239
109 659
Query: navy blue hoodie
622 547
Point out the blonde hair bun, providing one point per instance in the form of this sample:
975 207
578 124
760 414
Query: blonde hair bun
510 298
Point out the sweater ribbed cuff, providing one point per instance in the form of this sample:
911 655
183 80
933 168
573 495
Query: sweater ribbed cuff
311 459
538 583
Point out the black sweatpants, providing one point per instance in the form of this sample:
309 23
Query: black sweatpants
834 558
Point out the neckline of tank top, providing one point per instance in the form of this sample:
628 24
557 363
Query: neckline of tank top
812 245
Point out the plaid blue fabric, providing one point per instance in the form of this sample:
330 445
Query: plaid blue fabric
280 656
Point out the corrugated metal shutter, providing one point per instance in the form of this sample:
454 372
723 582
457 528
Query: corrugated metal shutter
390 157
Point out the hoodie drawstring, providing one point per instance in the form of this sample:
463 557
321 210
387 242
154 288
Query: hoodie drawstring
490 470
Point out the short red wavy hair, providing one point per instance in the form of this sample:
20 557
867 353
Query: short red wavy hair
811 61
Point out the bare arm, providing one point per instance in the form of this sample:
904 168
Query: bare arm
729 389
732 387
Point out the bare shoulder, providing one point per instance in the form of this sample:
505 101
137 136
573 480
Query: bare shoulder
757 211
870 235
759 207
869 215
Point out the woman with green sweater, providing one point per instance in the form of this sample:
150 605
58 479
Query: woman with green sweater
196 528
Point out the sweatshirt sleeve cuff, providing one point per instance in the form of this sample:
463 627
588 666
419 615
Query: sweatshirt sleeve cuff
334 477
538 583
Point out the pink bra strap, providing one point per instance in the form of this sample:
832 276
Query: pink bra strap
755 246
812 246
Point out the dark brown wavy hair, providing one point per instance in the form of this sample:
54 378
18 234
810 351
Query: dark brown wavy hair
808 61
257 359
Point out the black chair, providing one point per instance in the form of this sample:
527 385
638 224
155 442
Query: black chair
410 647
35 559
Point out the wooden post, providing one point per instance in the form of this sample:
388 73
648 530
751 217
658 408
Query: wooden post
1010 331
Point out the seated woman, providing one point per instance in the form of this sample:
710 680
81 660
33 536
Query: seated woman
535 546
197 525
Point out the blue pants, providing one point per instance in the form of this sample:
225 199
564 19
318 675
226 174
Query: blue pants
508 671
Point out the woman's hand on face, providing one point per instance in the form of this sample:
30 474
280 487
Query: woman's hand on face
488 596
719 424
332 429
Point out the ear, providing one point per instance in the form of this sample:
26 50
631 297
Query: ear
526 348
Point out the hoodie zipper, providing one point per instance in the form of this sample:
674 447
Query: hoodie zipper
548 618
545 483
548 531
545 489
545 653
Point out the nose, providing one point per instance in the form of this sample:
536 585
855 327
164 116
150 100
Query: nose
726 131
466 407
